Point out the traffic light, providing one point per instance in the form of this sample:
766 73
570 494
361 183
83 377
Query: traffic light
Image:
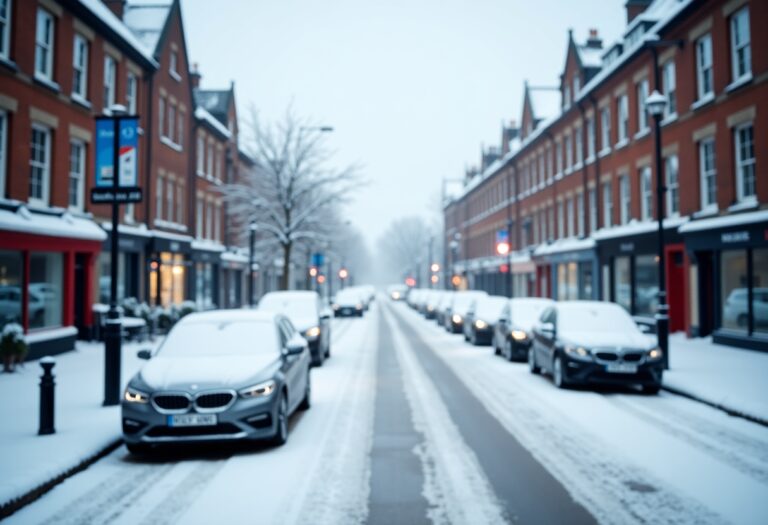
320 279
313 271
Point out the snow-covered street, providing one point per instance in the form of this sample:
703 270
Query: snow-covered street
410 424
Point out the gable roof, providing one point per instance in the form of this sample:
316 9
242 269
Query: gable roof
545 102
147 20
215 101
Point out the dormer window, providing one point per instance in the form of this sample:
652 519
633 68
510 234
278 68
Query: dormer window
566 97
576 87
173 65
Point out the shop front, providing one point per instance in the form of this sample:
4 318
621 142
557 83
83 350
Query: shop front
234 278
629 266
131 258
205 268
729 273
567 269
169 269
47 265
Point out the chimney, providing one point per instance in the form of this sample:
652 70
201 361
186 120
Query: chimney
489 156
635 7
594 41
508 132
195 76
116 6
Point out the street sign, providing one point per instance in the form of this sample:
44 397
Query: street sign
105 129
129 149
126 190
118 196
317 259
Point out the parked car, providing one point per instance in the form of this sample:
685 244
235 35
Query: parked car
443 307
514 331
308 314
580 342
431 303
481 319
454 322
349 302
397 292
219 376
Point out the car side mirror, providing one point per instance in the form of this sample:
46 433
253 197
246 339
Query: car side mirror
295 346
325 313
144 354
547 329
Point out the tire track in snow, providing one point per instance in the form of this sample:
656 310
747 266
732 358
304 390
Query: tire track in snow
454 482
612 489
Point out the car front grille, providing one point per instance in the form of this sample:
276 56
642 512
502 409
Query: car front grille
633 357
171 402
606 356
621 355
213 430
215 400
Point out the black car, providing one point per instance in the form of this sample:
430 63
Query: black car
581 342
513 334
481 319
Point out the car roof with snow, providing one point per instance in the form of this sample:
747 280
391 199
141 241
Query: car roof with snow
234 315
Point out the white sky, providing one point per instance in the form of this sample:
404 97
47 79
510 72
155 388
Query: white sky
412 87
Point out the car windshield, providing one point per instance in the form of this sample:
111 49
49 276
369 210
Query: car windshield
348 296
525 313
295 307
595 317
463 301
489 309
221 339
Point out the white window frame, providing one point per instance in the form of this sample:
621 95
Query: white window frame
44 166
132 93
550 163
580 218
746 175
704 70
171 128
742 46
559 157
591 142
159 197
110 81
592 210
180 129
578 144
570 223
217 222
209 159
568 152
646 193
566 97
576 87
607 204
78 176
642 112
80 51
622 119
672 182
3 150
173 65
5 27
200 155
180 201
560 220
44 45
625 199
707 176
669 81
605 129
209 220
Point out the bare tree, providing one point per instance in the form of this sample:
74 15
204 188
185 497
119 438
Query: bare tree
292 190
404 242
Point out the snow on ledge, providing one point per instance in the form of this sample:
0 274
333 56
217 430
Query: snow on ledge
571 244
736 219
207 245
50 334
53 225
636 227
202 114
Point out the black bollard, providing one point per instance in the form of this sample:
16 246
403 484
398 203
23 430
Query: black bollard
47 385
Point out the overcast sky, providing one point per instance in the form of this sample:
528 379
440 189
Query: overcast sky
412 87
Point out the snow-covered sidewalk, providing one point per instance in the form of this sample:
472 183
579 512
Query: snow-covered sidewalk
725 376
83 426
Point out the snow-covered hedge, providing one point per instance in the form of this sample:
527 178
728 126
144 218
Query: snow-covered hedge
13 345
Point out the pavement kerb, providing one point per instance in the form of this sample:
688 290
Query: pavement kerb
728 410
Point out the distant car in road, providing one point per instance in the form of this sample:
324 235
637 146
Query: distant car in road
431 303
349 302
219 376
454 322
514 331
481 319
308 314
443 307
580 342
397 292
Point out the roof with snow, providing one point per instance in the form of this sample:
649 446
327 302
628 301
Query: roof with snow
215 101
545 102
52 222
591 57
147 20
203 115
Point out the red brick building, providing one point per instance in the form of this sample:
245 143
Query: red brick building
577 186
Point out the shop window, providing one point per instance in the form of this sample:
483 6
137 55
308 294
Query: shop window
204 286
734 290
172 278
586 281
45 289
760 290
622 283
646 285
745 162
10 287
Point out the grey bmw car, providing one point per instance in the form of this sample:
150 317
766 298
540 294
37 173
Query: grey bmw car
219 376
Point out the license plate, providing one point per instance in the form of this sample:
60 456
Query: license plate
192 420
621 368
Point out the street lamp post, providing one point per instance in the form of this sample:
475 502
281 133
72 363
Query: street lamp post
251 241
454 245
510 281
656 103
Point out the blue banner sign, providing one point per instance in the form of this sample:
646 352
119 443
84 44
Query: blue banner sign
317 259
128 153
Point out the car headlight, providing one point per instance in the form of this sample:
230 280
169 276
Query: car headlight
395 296
336 306
480 324
578 352
430 308
135 396
261 390
456 318
313 332
654 354
519 335
358 306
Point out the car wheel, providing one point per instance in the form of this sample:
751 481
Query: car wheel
281 432
532 366
306 403
558 375
652 389
137 448
496 349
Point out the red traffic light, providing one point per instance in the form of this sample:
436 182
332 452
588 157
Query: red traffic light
410 281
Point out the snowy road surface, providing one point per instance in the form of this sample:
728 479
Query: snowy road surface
410 424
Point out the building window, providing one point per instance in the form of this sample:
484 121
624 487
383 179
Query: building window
625 199
646 194
745 162
44 45
161 117
560 220
550 163
159 198
110 81
605 129
759 290
40 165
542 174
642 114
567 97
741 51
735 283
708 174
592 210
45 289
670 88
209 221
76 174
607 205
174 65
579 145
704 84
11 282
559 155
3 150
551 222
5 28
568 153
217 223
200 155
180 200
199 218
622 108
180 129
132 93
169 191
576 87
622 283
171 122
580 215
571 230
80 67
209 171
590 138
673 186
